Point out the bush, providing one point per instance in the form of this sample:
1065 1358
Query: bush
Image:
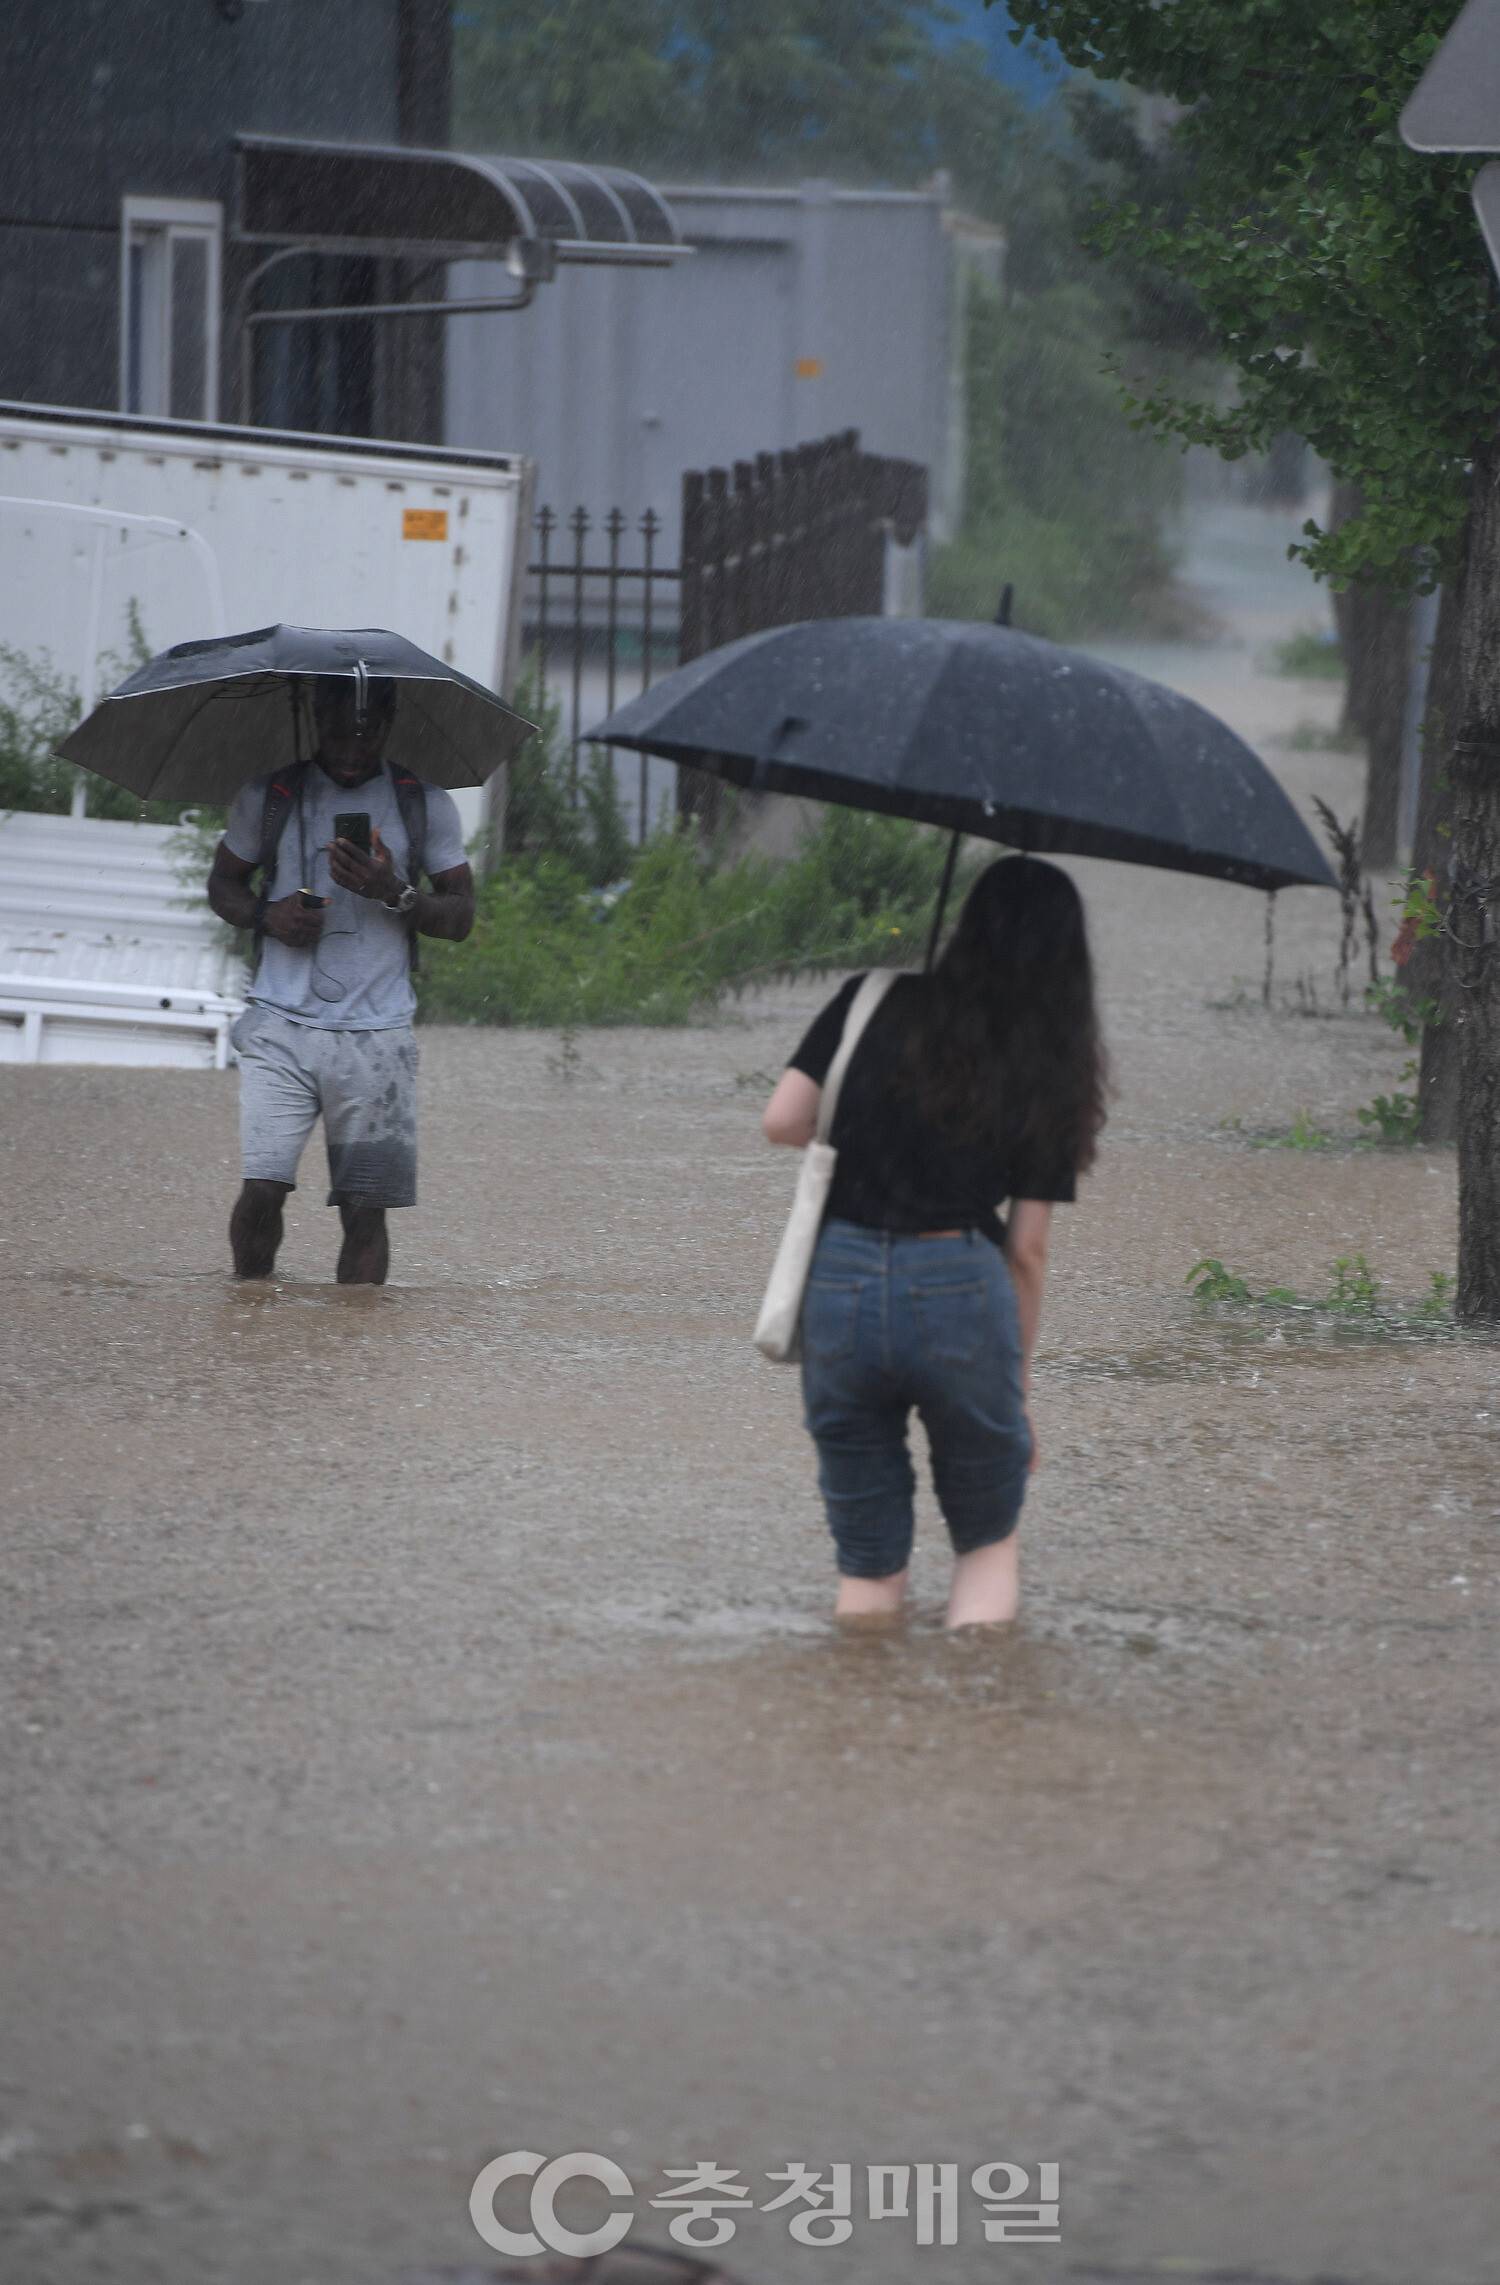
1312 653
549 948
542 819
40 705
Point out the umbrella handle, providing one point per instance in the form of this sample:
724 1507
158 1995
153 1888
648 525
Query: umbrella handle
947 883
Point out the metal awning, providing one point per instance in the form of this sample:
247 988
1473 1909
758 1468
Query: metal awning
379 198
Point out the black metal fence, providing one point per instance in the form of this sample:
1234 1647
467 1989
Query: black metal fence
786 536
592 612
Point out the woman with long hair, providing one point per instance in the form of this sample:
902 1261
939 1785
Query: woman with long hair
980 1083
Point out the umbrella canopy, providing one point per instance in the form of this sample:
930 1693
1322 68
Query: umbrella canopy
985 731
197 722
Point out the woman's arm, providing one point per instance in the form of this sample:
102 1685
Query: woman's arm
1026 1240
791 1116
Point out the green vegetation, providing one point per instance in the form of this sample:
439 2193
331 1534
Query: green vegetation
1394 1118
1353 1291
1302 1134
1353 1287
1062 497
1211 1281
1337 270
38 707
547 948
1311 654
1439 1301
577 926
1397 1118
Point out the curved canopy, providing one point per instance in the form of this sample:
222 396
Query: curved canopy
374 198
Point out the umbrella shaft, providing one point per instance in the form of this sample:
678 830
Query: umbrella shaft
947 883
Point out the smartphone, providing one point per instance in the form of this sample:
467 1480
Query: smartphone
310 902
353 825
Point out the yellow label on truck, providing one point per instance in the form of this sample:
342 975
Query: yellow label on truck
424 523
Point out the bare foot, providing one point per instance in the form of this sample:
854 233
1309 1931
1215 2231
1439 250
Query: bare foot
870 1598
869 1622
986 1585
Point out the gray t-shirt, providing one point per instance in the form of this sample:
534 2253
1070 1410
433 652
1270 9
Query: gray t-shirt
358 976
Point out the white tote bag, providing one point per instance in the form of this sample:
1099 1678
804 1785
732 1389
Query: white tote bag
778 1327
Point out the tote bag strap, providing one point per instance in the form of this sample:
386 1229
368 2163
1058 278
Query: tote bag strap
866 1000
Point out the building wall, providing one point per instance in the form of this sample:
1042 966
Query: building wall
800 313
105 99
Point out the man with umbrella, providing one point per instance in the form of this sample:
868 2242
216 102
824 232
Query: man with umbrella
341 842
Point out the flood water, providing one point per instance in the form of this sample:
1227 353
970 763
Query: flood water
426 1740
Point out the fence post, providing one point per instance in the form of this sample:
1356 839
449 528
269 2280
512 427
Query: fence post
578 524
694 555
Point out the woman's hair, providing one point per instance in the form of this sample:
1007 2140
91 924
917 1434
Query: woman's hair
1008 1049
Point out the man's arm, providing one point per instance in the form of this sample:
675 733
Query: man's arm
229 890
446 909
232 898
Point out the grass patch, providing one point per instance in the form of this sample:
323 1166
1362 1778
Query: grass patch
39 705
1353 1292
548 948
1310 654
1302 1134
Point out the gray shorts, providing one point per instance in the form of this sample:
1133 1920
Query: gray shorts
364 1083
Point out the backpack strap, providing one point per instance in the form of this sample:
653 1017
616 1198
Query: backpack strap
411 801
283 792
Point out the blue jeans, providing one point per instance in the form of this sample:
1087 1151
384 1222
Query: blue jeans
890 1322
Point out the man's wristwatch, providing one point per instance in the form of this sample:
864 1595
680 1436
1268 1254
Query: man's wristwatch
403 900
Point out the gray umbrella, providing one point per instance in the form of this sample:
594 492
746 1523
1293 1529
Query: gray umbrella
985 731
197 722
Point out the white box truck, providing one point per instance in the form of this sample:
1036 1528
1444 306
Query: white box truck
196 530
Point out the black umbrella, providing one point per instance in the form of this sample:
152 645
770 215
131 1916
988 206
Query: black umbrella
197 722
985 731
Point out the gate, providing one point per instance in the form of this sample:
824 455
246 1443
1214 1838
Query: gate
790 535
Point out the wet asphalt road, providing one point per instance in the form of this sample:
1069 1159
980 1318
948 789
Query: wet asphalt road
425 1740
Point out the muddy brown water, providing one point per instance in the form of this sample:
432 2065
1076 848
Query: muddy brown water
426 1740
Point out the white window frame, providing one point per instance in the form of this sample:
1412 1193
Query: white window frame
169 219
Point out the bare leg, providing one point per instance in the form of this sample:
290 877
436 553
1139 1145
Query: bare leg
986 1585
365 1255
870 1598
255 1228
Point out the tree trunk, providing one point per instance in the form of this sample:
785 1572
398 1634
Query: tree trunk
1474 903
1386 627
1374 632
1427 974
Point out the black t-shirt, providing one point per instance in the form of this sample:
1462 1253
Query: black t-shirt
896 1169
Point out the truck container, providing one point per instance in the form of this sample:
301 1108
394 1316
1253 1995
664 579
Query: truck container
114 530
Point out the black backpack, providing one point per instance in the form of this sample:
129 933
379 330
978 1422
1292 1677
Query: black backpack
283 793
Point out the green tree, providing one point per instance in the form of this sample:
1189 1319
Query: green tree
575 79
1345 279
784 88
863 90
